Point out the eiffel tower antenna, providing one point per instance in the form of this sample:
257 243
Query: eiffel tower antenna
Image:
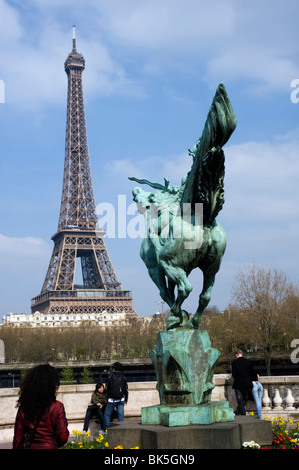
74 37
78 237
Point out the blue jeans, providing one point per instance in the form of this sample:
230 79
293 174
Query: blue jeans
93 411
257 393
120 408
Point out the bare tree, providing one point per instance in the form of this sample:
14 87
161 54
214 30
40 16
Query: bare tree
261 297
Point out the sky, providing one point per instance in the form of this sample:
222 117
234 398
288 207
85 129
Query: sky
152 69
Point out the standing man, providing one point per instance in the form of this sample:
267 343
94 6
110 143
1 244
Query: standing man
117 394
243 375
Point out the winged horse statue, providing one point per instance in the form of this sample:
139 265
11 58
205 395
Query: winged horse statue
176 243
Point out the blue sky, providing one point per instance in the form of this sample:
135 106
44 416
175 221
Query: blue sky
152 69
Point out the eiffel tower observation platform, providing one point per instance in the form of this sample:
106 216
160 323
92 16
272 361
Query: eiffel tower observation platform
79 240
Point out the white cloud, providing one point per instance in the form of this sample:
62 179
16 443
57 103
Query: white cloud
153 168
261 179
261 182
36 77
23 268
169 25
233 40
22 248
226 40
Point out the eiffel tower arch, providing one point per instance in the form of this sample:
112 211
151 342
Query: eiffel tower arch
78 238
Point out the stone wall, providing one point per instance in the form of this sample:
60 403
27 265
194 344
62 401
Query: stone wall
141 394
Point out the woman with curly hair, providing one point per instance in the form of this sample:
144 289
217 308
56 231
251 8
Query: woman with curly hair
41 421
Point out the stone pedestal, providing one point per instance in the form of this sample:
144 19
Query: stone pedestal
184 362
228 435
214 412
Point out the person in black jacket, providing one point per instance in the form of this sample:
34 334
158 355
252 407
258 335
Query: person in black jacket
243 375
117 394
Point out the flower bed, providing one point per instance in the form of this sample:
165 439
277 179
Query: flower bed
285 436
86 440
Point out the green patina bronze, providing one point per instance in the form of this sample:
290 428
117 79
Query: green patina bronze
184 362
201 243
182 234
176 363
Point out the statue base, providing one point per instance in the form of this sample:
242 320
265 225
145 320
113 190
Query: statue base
175 415
184 362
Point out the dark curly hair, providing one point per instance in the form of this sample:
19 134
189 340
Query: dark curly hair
38 390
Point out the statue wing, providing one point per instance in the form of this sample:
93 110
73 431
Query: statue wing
205 181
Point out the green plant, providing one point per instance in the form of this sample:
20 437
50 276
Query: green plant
67 376
86 376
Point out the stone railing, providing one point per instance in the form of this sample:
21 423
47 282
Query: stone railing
281 395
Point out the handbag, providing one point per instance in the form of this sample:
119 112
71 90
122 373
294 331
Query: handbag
28 442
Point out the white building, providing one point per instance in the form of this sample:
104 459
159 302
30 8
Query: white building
38 319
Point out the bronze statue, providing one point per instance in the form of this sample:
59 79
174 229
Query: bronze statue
177 242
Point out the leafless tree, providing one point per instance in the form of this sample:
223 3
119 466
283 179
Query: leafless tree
261 297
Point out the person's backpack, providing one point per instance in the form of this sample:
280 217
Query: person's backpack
116 386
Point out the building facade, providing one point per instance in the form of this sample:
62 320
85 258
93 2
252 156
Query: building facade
39 319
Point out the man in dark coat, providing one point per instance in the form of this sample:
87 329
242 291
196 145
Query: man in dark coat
243 375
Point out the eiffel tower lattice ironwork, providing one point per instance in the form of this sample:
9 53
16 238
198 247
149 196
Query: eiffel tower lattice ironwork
78 236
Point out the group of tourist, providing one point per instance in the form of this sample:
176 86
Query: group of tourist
41 421
104 401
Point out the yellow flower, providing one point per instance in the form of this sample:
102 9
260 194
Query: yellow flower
134 447
106 444
251 413
290 421
118 447
266 417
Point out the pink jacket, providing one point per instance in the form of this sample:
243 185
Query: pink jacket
51 433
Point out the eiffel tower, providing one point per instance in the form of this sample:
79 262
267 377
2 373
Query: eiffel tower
78 236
